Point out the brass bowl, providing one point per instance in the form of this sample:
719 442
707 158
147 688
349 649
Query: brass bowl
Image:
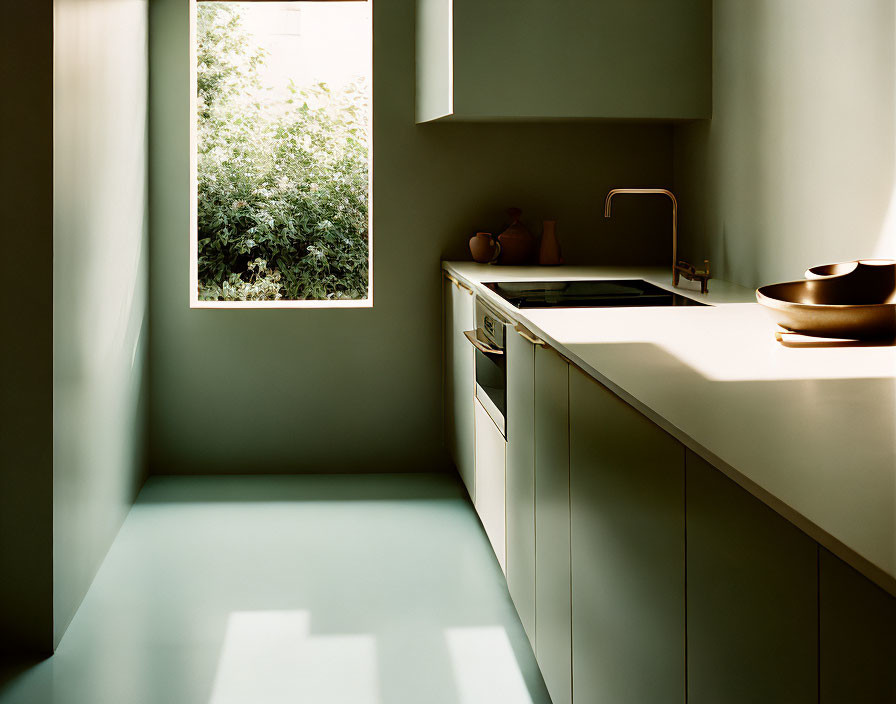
849 300
825 270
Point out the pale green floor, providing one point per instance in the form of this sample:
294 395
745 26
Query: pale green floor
378 589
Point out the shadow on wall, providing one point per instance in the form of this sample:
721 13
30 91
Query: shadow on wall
796 167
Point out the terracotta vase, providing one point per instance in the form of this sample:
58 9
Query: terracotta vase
549 249
484 247
517 243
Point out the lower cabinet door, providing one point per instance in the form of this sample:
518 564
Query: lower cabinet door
752 597
489 501
459 380
857 636
627 538
553 616
521 478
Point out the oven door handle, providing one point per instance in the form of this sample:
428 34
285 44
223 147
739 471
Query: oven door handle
480 345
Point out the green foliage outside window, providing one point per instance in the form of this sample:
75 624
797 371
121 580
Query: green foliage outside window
282 187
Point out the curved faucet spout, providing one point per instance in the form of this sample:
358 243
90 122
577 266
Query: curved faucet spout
641 191
678 268
653 191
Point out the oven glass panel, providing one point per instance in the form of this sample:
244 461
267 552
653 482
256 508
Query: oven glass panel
491 377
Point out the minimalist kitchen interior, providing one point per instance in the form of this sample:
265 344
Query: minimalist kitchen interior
612 420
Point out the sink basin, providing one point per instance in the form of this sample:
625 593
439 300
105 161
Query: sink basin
598 293
850 300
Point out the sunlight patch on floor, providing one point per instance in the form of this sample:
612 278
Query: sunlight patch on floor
485 666
271 657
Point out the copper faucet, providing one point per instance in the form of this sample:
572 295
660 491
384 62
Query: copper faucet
679 268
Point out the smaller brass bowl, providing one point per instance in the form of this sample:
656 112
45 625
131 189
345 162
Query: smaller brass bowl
850 300
864 266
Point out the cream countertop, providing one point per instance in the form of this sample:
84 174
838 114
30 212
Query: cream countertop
811 431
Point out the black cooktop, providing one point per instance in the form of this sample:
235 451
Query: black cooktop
604 293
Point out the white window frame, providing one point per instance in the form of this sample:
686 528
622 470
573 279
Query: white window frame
194 201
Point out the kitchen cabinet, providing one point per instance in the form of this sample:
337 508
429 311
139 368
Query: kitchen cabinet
627 535
553 615
645 552
459 379
752 597
521 477
507 59
490 467
857 636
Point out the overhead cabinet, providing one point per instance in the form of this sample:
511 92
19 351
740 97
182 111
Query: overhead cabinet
555 59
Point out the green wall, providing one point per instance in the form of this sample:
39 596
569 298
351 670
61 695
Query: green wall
26 310
360 389
72 407
100 232
797 166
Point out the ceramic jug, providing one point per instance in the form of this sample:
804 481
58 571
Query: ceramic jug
484 247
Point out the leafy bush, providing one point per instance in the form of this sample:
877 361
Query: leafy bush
263 285
284 184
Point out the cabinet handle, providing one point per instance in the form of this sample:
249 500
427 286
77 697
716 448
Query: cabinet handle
458 283
523 333
480 345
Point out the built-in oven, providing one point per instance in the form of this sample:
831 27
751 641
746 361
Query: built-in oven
491 363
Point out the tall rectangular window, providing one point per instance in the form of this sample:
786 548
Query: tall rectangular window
282 154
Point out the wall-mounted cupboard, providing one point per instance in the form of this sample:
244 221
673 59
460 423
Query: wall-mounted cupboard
556 59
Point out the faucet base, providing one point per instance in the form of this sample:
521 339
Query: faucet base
692 273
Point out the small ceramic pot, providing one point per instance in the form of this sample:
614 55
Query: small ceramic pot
484 247
518 245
